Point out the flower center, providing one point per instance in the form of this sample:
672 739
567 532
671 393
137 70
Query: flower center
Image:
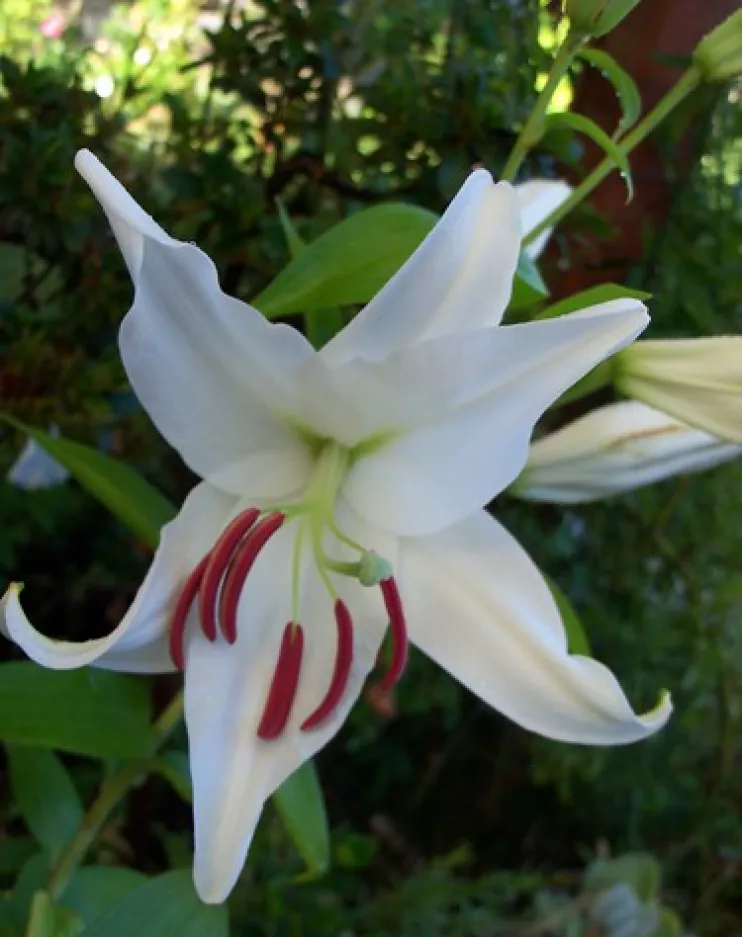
217 582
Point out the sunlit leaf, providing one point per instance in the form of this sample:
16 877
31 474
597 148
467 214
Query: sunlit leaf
623 84
349 263
584 125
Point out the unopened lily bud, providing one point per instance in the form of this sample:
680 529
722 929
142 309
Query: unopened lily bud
719 55
597 17
615 449
698 381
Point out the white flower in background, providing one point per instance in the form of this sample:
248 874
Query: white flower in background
698 381
538 198
343 492
615 449
35 468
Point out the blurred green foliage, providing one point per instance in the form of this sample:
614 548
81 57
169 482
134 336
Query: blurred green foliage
331 107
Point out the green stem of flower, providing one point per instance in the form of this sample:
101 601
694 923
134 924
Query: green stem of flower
532 130
687 83
112 792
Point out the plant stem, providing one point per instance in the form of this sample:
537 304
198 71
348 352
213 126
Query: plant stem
532 130
687 83
112 791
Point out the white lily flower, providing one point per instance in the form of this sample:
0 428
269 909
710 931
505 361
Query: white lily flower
324 472
35 468
538 198
698 381
615 449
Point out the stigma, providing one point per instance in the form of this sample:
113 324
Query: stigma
215 587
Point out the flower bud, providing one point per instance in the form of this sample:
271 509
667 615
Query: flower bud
597 17
698 381
718 56
615 449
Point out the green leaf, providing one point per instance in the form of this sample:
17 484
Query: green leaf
323 324
45 795
15 852
637 869
136 503
301 805
577 642
174 768
528 286
166 906
349 263
96 889
88 711
623 84
294 241
584 125
48 920
591 297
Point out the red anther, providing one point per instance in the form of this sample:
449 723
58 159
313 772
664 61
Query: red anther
341 671
398 627
239 569
217 565
180 615
284 684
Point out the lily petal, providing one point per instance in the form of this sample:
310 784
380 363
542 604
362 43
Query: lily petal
216 378
140 642
614 449
538 198
226 687
459 278
478 606
499 382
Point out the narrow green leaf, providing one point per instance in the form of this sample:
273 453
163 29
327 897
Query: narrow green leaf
136 503
528 286
294 241
623 84
577 642
323 324
89 711
612 149
349 263
591 297
166 906
44 794
301 805
96 889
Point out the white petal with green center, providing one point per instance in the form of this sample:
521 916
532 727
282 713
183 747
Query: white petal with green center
140 642
233 770
479 607
475 399
460 278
